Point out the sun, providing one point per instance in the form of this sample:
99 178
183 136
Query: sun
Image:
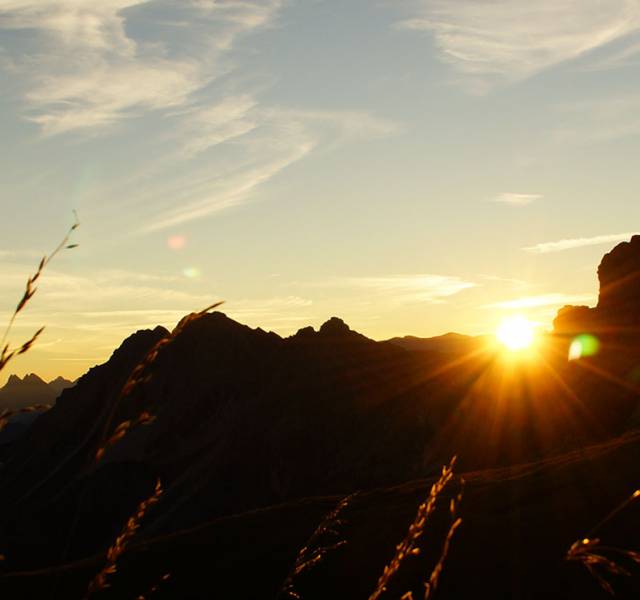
516 333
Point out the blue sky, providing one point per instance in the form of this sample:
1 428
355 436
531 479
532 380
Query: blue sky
414 166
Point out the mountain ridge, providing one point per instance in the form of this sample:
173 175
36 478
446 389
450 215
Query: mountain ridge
244 419
30 390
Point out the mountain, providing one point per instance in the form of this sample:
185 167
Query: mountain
19 393
60 383
449 343
254 436
246 419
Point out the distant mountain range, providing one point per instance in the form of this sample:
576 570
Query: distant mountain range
20 393
449 343
31 390
259 434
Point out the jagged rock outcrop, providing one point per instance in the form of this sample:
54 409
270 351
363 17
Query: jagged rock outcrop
572 320
618 308
619 277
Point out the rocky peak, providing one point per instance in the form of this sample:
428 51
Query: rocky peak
334 326
31 379
13 380
619 295
305 332
619 277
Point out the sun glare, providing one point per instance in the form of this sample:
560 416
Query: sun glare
516 333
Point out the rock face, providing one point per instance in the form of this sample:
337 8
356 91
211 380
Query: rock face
619 276
619 296
572 320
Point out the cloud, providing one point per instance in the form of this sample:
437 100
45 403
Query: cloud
627 55
113 302
104 288
568 244
276 312
516 199
208 126
553 299
65 103
74 23
236 145
86 70
510 40
405 288
149 73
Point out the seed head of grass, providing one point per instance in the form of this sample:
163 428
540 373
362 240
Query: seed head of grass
144 418
595 557
117 549
155 587
9 353
408 546
316 548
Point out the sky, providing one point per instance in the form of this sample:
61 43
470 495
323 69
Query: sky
411 166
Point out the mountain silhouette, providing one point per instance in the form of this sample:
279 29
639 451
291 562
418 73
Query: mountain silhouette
19 393
253 432
449 343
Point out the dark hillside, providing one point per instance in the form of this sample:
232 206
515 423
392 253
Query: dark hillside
245 420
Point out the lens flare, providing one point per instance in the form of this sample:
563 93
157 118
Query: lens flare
584 345
516 333
176 242
191 272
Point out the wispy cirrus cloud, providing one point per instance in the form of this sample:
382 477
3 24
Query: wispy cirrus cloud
273 311
150 72
516 199
498 40
264 141
112 303
570 243
543 300
626 55
85 70
401 289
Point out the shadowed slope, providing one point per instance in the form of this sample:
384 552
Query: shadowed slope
518 523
